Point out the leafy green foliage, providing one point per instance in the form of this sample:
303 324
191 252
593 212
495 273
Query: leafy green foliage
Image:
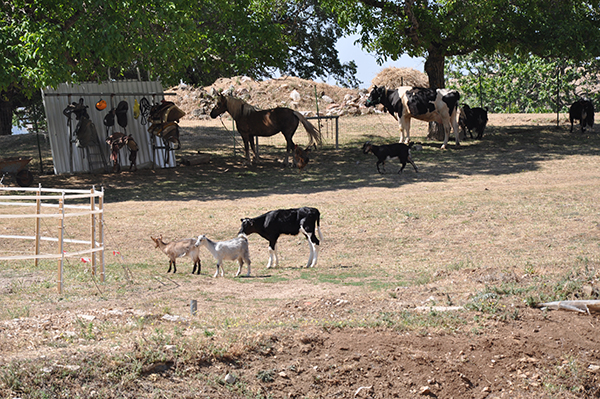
438 29
518 83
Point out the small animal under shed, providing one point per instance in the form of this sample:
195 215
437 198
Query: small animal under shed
473 119
301 157
389 151
178 249
582 110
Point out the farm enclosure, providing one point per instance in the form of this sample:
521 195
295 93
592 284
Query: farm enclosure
492 227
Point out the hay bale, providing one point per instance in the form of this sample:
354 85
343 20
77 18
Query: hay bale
393 77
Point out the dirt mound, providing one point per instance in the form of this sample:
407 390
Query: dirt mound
306 96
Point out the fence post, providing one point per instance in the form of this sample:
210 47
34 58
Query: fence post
38 206
61 223
101 233
93 230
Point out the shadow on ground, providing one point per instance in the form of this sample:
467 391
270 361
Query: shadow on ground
503 150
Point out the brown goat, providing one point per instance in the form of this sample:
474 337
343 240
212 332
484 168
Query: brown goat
177 249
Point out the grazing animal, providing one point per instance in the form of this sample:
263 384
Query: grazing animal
473 119
234 249
389 151
272 224
428 105
582 110
252 122
301 157
177 249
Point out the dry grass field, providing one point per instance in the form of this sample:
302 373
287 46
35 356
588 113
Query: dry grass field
426 283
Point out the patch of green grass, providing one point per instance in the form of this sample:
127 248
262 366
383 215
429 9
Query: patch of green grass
460 265
266 375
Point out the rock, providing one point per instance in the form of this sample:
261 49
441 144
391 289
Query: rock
424 391
169 317
295 96
230 379
326 99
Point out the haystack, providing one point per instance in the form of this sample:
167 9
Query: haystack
393 77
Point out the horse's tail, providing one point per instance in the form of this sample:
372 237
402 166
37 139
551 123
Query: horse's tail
313 133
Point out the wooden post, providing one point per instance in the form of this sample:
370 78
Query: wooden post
93 230
38 209
61 224
101 233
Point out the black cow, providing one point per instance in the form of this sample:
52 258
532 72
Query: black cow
272 224
428 105
473 119
582 110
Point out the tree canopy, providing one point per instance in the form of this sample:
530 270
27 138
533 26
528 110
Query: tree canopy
46 42
440 29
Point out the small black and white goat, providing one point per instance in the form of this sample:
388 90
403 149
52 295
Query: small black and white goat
234 249
389 151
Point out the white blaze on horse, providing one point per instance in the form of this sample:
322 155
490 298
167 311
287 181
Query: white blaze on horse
264 123
428 105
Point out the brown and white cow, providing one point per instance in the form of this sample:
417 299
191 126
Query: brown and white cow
428 105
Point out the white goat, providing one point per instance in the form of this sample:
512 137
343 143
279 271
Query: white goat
177 249
234 249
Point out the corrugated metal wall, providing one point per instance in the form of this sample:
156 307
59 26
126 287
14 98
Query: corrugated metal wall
56 100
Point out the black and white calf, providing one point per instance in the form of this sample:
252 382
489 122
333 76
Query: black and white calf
473 119
272 224
582 110
389 151
428 105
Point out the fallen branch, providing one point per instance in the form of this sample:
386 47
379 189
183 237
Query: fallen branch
582 306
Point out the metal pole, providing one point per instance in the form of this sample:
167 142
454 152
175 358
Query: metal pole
337 145
233 135
37 134
558 95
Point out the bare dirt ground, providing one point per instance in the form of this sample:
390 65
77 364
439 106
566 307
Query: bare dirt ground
420 290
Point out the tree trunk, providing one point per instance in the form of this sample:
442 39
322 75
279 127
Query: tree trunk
6 112
434 68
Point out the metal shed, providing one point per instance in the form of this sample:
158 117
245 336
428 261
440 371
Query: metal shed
61 143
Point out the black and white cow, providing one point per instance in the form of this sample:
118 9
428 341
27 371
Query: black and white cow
428 105
272 224
473 119
582 110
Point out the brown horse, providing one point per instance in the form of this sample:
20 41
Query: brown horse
252 122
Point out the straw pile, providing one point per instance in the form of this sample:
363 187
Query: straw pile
393 77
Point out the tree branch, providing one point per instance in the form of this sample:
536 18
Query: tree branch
413 31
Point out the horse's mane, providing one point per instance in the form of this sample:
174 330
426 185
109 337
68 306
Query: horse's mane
237 107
